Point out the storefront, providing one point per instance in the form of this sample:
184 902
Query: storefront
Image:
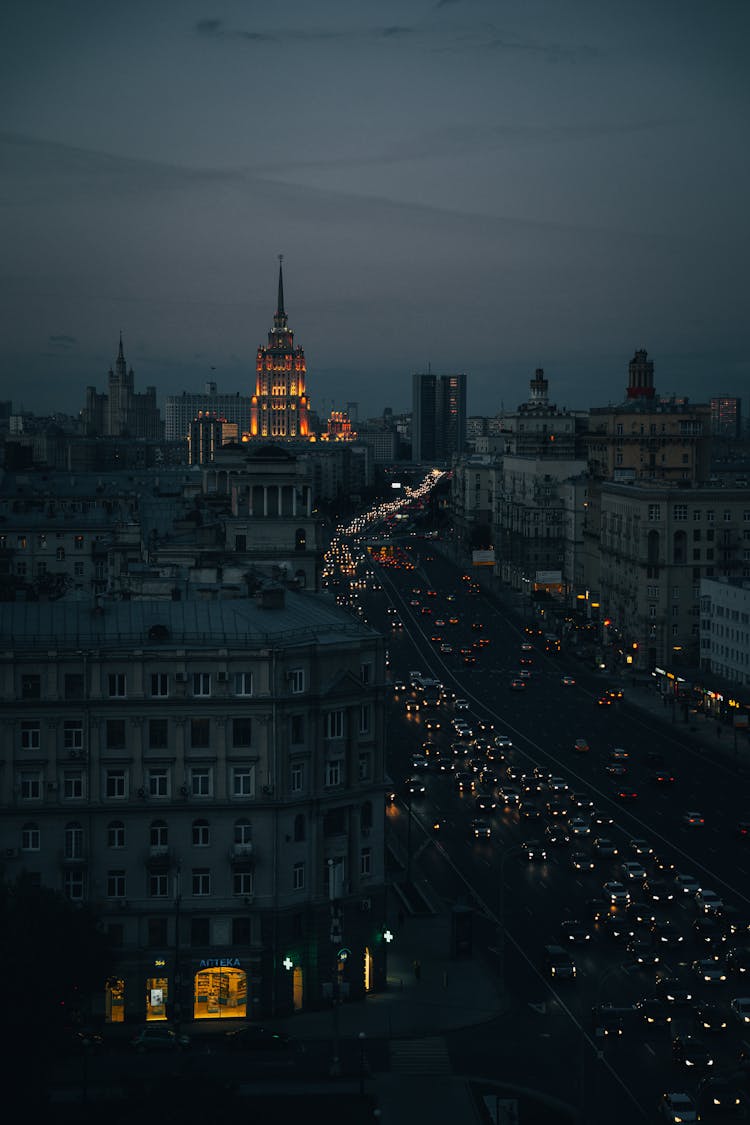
220 990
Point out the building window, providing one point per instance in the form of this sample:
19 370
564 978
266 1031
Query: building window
158 734
60 554
73 885
201 683
158 886
242 732
31 735
78 542
365 671
334 724
680 512
243 832
297 680
115 834
299 828
200 734
31 785
116 685
243 683
333 772
116 884
201 834
159 684
298 877
365 766
296 777
200 782
201 882
243 781
158 834
78 570
710 515
73 784
115 734
73 734
654 512
30 838
727 516
158 782
652 611
365 862
297 729
114 783
73 685
31 686
364 718
156 933
243 882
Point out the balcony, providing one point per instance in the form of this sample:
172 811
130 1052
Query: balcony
241 853
159 857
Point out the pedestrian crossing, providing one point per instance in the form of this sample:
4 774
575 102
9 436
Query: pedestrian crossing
420 1056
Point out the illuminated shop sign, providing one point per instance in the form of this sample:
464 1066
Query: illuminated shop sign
219 963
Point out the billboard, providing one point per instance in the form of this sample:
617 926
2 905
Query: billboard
483 558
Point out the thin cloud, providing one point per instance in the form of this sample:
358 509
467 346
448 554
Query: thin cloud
62 341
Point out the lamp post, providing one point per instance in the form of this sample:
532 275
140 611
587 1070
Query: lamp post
361 1038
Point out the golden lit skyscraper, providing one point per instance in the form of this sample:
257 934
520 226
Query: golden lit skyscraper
279 409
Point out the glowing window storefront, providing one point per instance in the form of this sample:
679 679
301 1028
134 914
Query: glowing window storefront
220 991
114 1001
157 994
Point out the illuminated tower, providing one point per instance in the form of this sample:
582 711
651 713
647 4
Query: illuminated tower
279 408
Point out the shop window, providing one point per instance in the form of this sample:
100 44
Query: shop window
114 1001
157 994
297 988
220 992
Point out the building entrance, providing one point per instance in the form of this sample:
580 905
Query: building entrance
157 994
220 992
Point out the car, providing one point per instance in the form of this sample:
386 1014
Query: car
534 851
693 819
529 811
581 746
662 777
581 861
720 1093
420 762
503 741
643 952
710 1016
616 769
415 786
691 1052
641 914
618 755
664 866
581 801
557 807
159 1037
710 971
481 829
558 785
411 706
604 701
738 959
612 1020
604 848
263 1043
633 870
743 829
461 705
556 836
688 884
399 686
522 674
614 693
464 781
709 933
509 795
740 1007
439 621
573 932
626 793
673 990
708 902
618 893
579 827
560 965
677 1107
665 933
658 891
431 723
526 661
654 1011
485 802
568 681
601 819
517 685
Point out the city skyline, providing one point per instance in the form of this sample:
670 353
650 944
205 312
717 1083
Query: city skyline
484 195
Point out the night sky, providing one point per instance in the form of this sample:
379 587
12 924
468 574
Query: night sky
481 185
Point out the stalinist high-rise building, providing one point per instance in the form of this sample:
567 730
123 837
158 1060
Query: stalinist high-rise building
279 409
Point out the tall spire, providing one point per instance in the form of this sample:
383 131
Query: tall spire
120 367
280 320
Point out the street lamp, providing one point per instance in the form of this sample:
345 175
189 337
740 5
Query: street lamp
361 1037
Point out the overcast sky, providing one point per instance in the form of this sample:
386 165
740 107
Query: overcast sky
482 185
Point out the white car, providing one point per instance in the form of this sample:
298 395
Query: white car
558 784
641 847
503 741
461 705
617 893
741 1008
677 1108
579 827
710 971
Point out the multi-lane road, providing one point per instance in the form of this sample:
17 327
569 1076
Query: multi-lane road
545 1036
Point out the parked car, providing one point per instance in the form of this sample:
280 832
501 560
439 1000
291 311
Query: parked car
159 1037
263 1043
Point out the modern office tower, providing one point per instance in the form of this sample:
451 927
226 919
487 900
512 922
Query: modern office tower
279 409
206 434
726 413
181 410
122 412
438 416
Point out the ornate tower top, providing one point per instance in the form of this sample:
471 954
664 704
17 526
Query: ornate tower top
280 320
641 376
